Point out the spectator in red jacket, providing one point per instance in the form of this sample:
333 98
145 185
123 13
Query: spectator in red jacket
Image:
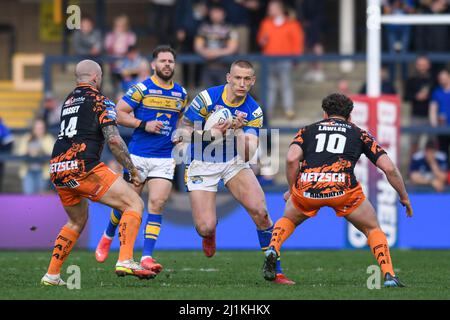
280 35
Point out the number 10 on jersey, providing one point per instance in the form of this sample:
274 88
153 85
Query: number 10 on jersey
336 142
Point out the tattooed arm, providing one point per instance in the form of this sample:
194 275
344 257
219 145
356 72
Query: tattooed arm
187 126
120 151
184 130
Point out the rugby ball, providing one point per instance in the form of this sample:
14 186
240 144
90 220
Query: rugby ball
218 116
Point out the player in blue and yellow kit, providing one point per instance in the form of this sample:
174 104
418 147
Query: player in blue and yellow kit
157 104
226 160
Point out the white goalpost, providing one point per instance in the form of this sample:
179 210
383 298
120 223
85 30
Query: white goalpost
374 22
381 115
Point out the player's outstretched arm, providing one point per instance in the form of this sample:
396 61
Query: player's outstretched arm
120 151
395 179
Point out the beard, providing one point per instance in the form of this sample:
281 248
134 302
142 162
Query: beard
160 74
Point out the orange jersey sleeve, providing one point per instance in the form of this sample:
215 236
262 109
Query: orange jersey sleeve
298 139
371 148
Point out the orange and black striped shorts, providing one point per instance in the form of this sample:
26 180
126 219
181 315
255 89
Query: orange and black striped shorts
343 202
93 186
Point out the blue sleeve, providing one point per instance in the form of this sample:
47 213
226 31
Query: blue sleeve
134 95
5 135
3 130
198 109
410 3
435 96
255 121
185 99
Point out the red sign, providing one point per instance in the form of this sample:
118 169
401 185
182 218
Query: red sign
381 118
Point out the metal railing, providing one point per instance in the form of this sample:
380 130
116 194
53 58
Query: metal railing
263 61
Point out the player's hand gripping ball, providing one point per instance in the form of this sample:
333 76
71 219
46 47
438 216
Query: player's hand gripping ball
218 117
218 123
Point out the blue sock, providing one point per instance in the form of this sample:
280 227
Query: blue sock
151 233
264 237
114 220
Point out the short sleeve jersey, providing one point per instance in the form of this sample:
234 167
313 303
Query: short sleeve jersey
442 98
331 149
210 100
80 141
152 101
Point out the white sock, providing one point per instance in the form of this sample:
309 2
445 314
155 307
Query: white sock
145 257
53 276
106 236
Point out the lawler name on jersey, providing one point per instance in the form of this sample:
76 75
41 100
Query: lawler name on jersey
153 101
210 100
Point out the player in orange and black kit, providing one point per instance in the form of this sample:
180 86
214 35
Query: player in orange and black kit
87 120
320 164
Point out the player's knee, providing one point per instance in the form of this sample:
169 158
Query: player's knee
369 229
134 203
206 229
260 215
138 205
156 205
77 223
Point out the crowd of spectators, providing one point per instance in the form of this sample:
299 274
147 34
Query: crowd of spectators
213 29
430 105
216 28
35 145
6 144
429 101
423 38
429 167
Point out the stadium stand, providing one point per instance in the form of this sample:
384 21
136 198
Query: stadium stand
19 108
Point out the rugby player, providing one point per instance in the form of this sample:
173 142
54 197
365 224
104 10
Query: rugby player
228 161
88 118
320 164
153 107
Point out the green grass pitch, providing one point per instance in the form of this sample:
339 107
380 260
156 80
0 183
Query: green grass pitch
231 275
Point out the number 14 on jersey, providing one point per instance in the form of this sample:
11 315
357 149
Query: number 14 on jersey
71 130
